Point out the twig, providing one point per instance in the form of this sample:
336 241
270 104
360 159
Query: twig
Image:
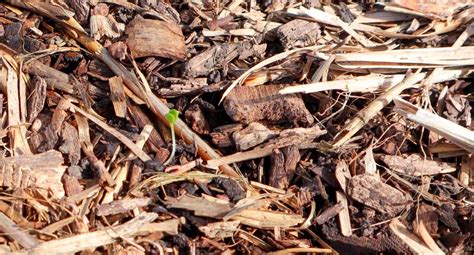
12 230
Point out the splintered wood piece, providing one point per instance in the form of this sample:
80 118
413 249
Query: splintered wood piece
268 219
466 175
15 216
298 33
118 96
250 104
121 206
54 78
55 11
201 206
371 83
253 135
422 232
170 227
95 239
455 133
148 37
105 26
239 157
342 174
408 58
9 227
205 62
47 137
369 162
416 245
372 192
325 18
415 165
43 171
220 229
344 216
120 173
16 110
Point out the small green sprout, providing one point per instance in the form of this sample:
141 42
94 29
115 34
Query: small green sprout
171 117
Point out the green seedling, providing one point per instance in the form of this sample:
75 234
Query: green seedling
171 117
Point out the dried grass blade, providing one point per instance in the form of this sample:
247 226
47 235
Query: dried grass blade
457 134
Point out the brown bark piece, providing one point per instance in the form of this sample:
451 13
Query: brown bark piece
135 175
298 33
117 96
71 145
47 137
329 213
58 80
253 135
371 191
415 165
99 70
43 171
195 116
81 10
71 185
250 104
283 166
37 97
118 50
155 38
292 157
14 38
222 136
278 177
221 139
